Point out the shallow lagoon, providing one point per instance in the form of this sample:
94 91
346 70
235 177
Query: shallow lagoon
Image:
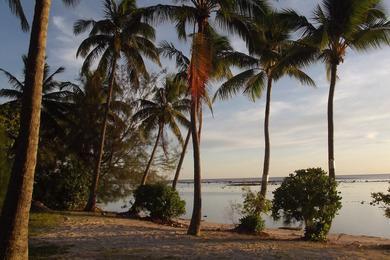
357 216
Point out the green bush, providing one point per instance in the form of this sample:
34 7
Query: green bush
65 188
159 200
308 196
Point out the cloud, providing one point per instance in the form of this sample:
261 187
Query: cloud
62 26
64 48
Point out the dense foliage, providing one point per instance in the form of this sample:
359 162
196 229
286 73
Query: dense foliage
8 132
382 199
308 196
66 187
4 166
161 201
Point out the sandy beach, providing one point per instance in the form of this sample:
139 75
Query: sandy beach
81 236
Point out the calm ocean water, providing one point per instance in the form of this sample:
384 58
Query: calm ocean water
357 216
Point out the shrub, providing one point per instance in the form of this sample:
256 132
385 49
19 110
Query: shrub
308 196
161 201
253 223
383 200
251 209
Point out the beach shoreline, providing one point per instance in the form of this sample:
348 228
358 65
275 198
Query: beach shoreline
79 235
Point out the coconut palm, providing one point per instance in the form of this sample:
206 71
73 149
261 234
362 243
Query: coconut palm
121 33
166 107
272 55
16 207
339 25
197 14
17 9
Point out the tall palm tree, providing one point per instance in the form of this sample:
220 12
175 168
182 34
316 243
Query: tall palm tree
165 108
339 25
197 14
16 207
17 9
272 55
121 33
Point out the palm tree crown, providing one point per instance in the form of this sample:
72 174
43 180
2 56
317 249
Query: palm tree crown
50 84
272 55
342 24
120 33
56 95
17 9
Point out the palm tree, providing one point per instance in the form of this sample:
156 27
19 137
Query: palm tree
340 25
223 57
168 50
16 207
197 14
17 9
121 33
272 55
165 108
55 94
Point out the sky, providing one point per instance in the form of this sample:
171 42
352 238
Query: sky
232 139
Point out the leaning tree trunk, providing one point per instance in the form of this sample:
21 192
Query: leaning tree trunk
194 228
15 213
91 204
267 149
331 162
181 160
146 173
200 116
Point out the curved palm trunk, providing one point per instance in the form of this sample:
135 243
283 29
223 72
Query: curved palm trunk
146 173
267 149
15 213
194 228
331 164
91 204
181 160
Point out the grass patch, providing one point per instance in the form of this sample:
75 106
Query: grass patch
41 222
43 252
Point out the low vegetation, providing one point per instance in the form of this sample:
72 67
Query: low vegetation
253 206
383 200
